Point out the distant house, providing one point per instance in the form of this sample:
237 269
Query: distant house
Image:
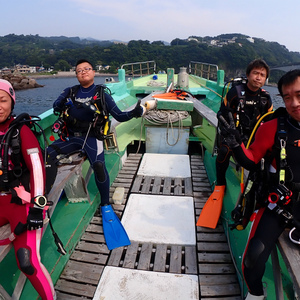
102 68
32 69
5 71
22 69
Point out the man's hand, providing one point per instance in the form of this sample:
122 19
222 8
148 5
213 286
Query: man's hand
229 131
35 218
139 110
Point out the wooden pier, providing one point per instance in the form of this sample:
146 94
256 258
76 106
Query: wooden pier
210 259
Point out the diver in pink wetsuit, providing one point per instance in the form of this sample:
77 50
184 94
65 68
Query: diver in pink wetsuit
22 186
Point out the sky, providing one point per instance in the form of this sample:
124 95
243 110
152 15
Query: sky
153 20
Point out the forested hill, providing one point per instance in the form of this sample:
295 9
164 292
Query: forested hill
231 52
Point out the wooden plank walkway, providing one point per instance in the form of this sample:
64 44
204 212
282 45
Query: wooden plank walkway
217 275
210 259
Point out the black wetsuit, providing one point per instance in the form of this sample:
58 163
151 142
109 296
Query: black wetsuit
246 106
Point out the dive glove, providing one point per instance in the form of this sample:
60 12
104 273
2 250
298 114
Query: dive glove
139 110
229 131
35 218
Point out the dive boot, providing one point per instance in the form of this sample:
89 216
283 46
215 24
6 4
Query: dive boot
252 297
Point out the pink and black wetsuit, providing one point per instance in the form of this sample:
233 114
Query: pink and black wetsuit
27 244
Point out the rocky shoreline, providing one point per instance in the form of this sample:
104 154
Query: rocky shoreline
21 82
66 74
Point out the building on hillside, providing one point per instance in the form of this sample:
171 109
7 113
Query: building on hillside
5 71
102 68
22 69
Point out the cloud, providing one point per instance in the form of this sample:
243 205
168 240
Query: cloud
156 19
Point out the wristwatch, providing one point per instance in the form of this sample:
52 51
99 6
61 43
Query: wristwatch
40 201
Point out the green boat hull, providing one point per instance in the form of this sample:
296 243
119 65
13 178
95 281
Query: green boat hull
71 219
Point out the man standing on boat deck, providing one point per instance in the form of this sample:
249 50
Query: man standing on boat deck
247 102
277 141
84 112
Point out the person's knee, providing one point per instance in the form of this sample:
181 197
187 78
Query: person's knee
23 255
99 170
255 249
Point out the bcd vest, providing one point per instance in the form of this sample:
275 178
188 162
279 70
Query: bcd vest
101 117
13 169
250 110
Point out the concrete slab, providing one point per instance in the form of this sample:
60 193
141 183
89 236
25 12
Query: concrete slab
160 219
128 284
165 165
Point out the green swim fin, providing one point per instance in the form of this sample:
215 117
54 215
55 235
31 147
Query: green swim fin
211 211
114 232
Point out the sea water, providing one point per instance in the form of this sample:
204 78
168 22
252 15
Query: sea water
38 100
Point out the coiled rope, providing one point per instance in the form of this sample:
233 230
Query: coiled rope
167 117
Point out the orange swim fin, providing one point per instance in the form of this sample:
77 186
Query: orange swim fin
211 211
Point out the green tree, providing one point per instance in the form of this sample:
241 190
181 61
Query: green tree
62 65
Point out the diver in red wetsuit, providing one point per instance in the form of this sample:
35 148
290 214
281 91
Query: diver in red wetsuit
22 186
282 206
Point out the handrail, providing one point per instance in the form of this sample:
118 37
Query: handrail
140 68
204 70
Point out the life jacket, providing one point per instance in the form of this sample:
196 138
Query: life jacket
100 124
13 168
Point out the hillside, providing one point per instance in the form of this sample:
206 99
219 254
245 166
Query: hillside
231 52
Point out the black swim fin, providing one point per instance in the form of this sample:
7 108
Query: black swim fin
114 232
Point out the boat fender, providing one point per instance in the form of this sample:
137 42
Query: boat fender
144 110
256 247
24 261
151 104
99 170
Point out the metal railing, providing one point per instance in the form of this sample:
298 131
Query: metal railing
140 68
204 70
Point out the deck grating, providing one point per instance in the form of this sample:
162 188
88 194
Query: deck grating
210 259
162 186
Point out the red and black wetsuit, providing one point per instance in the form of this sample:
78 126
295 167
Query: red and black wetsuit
27 244
268 225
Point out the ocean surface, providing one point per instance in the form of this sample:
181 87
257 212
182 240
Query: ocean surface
36 101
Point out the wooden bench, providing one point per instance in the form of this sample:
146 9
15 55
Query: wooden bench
290 253
70 180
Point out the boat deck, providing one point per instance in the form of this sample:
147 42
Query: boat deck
197 265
